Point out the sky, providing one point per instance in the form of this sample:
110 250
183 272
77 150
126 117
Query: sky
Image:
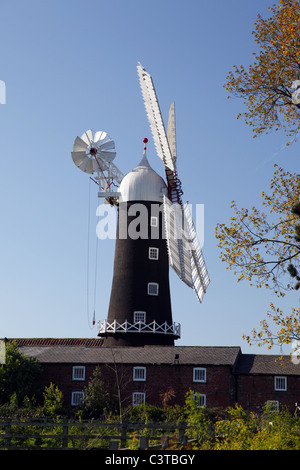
71 66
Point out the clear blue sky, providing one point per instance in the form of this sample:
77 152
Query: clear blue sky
70 66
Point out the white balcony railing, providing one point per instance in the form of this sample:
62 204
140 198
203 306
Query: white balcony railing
138 327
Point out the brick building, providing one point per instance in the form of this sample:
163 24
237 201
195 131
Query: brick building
222 375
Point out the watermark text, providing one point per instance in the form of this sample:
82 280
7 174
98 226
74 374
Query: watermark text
139 221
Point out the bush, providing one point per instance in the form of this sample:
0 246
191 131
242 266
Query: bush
53 401
96 398
145 413
18 376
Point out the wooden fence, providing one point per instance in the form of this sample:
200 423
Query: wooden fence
67 435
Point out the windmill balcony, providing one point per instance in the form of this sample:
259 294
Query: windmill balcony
138 327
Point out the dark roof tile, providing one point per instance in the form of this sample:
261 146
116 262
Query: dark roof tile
88 342
266 364
86 351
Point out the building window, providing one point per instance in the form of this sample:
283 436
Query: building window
200 399
138 398
153 253
77 398
139 317
272 405
139 374
78 373
280 384
154 221
199 374
152 288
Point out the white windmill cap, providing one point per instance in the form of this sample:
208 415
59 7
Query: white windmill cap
142 183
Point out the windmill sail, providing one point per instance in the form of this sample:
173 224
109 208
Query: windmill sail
171 132
178 243
199 271
185 255
155 119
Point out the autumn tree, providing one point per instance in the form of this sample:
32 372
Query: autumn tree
260 246
269 85
263 247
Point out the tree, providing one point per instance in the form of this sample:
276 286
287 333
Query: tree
53 401
236 431
261 247
122 379
267 86
265 249
166 397
19 375
96 397
199 421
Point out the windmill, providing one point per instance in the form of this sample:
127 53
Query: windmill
185 254
296 92
140 310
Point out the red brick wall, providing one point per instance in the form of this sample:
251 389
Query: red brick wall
222 389
219 386
255 390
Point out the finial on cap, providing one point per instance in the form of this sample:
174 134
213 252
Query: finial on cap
145 140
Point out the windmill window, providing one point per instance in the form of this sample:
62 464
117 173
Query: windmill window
139 374
280 384
154 221
138 398
152 288
139 317
153 253
77 398
78 373
199 374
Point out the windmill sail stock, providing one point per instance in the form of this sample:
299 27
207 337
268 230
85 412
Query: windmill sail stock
185 254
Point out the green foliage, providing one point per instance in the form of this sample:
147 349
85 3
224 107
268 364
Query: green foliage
53 401
236 431
145 413
96 397
205 429
200 422
18 376
175 414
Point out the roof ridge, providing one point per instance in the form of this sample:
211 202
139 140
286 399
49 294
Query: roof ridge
88 342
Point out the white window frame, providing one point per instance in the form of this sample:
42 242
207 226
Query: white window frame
153 253
154 221
138 398
139 374
152 284
78 373
199 374
139 317
273 406
280 383
200 399
77 398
